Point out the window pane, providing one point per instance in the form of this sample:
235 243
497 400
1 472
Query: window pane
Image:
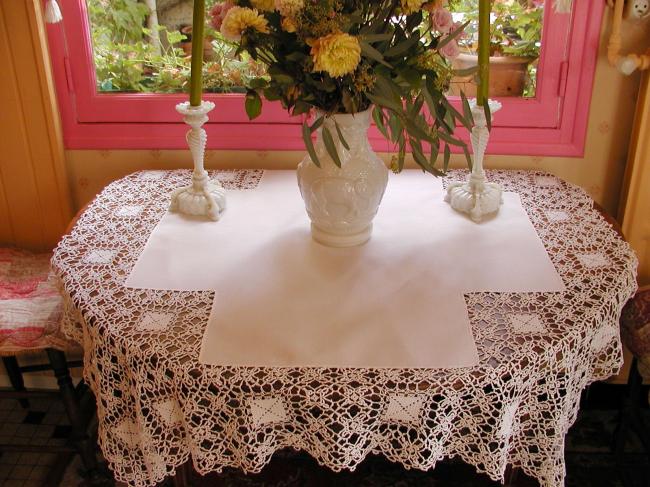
516 41
134 53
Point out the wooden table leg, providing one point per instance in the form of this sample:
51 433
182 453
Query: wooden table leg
182 477
510 477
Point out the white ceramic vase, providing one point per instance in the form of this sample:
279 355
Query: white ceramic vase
342 202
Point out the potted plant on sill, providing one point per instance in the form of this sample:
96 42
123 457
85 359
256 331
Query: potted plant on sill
516 31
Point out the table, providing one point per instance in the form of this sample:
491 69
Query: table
158 406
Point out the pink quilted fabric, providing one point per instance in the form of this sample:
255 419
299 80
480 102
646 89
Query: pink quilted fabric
30 305
635 328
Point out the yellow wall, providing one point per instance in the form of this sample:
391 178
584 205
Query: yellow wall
600 171
34 196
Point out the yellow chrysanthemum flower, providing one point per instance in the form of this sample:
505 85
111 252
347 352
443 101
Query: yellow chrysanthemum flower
411 6
289 8
289 25
264 5
238 19
337 54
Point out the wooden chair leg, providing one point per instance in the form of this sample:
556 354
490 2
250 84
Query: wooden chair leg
78 435
15 377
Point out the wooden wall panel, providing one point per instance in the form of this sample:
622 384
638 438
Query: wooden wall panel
635 207
36 197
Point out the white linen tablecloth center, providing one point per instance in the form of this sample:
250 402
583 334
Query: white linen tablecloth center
283 300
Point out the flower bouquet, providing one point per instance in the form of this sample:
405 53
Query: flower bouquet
352 60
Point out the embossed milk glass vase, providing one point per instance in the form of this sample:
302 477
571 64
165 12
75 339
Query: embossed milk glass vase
342 202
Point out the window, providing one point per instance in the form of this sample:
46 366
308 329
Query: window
549 118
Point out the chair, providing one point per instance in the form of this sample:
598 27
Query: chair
30 314
635 332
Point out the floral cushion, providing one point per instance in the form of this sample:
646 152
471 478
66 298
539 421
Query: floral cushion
635 328
30 305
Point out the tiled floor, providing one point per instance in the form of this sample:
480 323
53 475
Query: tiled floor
44 423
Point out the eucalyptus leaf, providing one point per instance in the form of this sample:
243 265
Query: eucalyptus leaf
370 38
385 102
340 134
488 115
466 109
378 117
372 53
447 157
402 47
330 146
452 35
309 144
317 124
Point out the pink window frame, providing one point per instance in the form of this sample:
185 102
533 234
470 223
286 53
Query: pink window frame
554 123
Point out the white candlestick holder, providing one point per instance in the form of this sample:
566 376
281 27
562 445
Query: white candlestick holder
477 197
204 197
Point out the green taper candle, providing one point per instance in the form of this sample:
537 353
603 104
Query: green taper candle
483 51
198 27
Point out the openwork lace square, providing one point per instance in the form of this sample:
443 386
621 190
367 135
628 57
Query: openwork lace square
129 211
152 175
557 215
100 256
593 260
128 432
169 411
153 321
547 181
604 338
526 323
404 409
267 411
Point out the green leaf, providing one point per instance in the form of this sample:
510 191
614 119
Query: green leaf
372 53
451 140
447 157
402 154
378 117
376 37
253 104
396 127
402 47
309 144
416 131
456 114
466 71
340 134
280 76
301 107
317 124
412 76
452 35
385 103
258 83
330 146
488 115
466 109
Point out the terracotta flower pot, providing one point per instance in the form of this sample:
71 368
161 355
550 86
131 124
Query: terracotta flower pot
508 75
186 45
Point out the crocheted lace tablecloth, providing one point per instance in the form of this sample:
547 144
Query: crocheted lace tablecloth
158 406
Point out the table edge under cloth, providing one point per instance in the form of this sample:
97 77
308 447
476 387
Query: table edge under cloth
81 316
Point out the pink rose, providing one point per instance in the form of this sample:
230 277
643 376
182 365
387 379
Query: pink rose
218 13
450 50
442 20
